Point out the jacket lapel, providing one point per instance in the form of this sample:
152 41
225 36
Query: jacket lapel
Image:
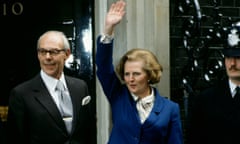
157 108
75 102
43 96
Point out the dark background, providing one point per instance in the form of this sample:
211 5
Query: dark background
198 31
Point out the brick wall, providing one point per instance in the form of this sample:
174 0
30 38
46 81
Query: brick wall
197 34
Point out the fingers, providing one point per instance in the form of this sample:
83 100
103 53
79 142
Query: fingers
119 6
114 16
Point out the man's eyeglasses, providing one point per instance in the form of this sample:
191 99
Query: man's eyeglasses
52 52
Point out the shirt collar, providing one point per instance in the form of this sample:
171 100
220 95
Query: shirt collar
51 82
232 87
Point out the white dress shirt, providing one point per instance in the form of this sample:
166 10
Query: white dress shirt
144 105
232 88
51 84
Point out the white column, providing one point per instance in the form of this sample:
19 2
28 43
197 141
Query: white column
102 105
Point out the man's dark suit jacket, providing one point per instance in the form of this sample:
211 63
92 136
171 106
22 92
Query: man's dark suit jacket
215 117
33 116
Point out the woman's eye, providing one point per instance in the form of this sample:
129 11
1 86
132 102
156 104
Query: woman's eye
136 74
126 74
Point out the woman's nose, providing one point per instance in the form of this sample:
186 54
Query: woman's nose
131 77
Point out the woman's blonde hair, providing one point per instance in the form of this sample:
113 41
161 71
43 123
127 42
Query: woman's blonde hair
151 65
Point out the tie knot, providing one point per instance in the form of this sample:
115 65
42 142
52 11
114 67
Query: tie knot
60 85
146 105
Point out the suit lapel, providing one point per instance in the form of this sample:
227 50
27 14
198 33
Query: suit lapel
157 108
73 89
225 104
43 96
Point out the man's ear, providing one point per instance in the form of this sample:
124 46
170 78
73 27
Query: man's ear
68 53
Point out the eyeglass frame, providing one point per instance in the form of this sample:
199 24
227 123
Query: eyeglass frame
52 52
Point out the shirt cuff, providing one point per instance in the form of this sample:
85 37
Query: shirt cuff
106 39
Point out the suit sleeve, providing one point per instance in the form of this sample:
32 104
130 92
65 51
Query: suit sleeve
105 69
15 123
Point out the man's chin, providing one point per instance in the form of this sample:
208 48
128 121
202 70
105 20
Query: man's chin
235 77
50 73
